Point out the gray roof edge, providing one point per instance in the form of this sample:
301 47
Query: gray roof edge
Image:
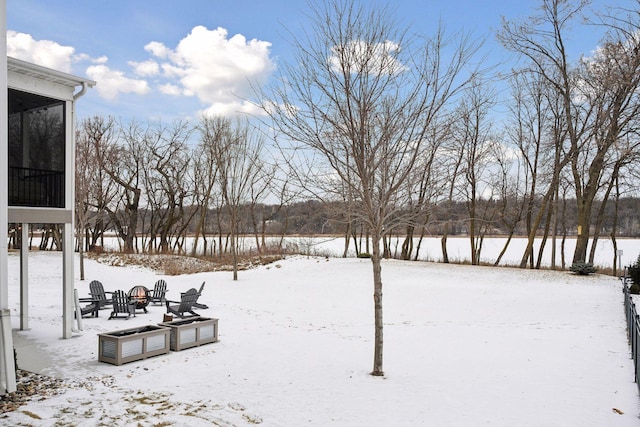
49 74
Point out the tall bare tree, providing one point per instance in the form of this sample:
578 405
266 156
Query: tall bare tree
599 95
99 190
84 179
166 179
451 158
237 150
362 94
123 161
541 39
424 186
474 140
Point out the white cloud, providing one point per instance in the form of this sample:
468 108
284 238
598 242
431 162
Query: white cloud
169 89
101 60
112 82
41 52
157 49
362 57
171 71
208 64
232 108
145 68
53 55
216 69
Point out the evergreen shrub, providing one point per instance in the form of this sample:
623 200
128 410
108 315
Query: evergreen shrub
582 268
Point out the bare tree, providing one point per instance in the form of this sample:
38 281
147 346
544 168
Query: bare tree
362 96
259 188
123 162
451 158
423 187
473 132
205 168
541 40
237 151
537 130
611 86
599 95
98 189
166 180
511 201
85 176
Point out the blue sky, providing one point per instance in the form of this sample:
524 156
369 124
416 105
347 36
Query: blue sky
169 59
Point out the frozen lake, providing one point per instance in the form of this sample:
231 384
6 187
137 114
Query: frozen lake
458 248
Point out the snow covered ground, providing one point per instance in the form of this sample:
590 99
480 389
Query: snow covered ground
464 346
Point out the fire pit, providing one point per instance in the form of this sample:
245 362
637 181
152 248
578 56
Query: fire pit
139 295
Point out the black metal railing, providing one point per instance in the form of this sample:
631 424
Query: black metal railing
36 187
633 326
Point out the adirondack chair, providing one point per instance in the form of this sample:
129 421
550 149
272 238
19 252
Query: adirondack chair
89 309
98 294
185 305
159 289
122 305
199 304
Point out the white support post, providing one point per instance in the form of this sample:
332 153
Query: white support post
8 374
77 310
67 281
69 191
24 278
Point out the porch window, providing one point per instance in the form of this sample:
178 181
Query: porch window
36 150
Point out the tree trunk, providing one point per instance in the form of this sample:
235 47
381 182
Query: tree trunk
504 248
528 252
198 232
234 251
81 255
443 243
545 236
584 223
419 244
407 245
614 228
347 235
377 304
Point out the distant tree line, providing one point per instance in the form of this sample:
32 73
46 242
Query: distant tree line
309 218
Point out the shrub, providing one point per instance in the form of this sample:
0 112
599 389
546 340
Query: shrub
634 274
583 268
364 255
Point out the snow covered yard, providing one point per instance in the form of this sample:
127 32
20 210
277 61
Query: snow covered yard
464 346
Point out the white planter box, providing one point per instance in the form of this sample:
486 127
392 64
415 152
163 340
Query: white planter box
128 345
192 332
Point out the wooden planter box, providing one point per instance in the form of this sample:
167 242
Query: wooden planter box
132 344
192 332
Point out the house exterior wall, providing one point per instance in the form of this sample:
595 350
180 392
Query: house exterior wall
7 367
4 166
